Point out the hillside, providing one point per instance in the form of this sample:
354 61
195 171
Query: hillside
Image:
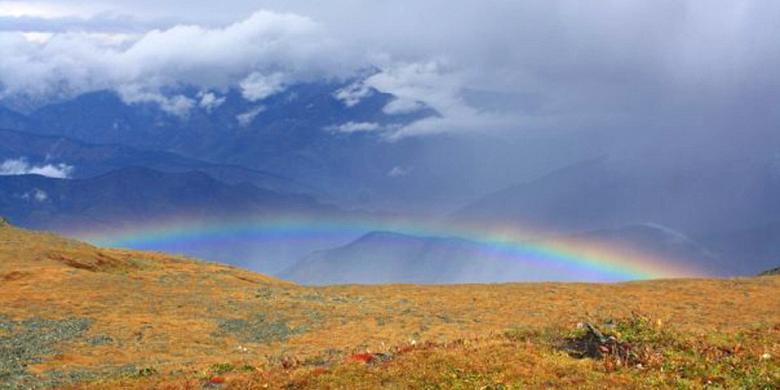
71 313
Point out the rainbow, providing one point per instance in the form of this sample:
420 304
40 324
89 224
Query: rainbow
587 259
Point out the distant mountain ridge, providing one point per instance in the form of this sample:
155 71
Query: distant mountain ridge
728 206
694 198
10 119
90 160
305 133
279 133
387 257
135 194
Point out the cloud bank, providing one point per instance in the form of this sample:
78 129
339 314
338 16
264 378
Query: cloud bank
486 66
257 54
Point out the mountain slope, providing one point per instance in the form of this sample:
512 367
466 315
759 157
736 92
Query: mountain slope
293 134
71 313
285 133
694 197
133 195
386 257
88 160
10 119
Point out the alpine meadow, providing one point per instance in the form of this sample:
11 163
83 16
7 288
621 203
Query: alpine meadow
267 194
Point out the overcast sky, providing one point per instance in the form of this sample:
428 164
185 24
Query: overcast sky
484 65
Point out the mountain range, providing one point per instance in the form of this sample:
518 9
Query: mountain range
387 257
136 195
306 150
89 160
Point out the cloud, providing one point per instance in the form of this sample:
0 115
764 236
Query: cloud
352 94
43 9
210 101
20 166
37 195
402 106
354 127
245 119
256 53
616 64
398 171
178 105
258 86
436 85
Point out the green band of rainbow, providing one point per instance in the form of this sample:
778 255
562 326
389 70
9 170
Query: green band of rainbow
574 256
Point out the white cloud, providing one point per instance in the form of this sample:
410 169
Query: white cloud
258 86
178 105
37 195
37 37
38 9
257 53
245 119
22 167
352 94
209 101
398 171
436 85
354 127
402 106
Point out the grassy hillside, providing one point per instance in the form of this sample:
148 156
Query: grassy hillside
75 315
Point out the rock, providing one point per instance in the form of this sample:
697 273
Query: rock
4 222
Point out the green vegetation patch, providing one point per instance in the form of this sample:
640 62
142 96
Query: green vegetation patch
28 342
258 329
664 357
100 340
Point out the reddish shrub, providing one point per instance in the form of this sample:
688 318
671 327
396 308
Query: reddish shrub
363 357
217 380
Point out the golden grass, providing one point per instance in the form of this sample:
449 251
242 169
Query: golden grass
173 322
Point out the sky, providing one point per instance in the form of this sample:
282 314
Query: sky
485 66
